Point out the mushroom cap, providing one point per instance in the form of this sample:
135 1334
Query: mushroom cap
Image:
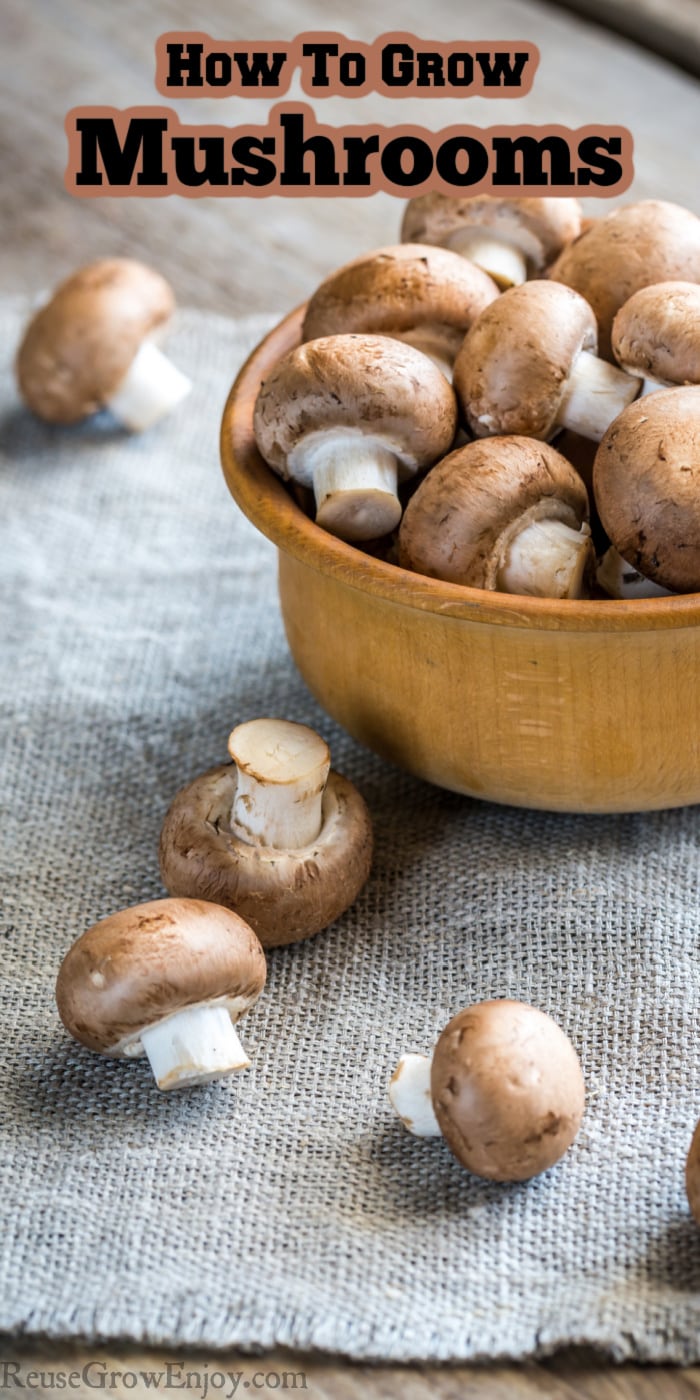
656 334
285 896
135 968
395 290
513 367
652 241
459 523
365 383
646 481
692 1175
77 349
507 1090
540 228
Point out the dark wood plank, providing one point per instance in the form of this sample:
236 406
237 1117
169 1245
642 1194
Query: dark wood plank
671 30
125 1371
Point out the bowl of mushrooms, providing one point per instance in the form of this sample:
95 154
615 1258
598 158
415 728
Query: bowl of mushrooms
479 458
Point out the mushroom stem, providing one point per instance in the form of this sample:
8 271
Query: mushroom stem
621 580
410 1097
650 386
503 261
354 478
546 559
356 495
151 387
282 770
595 394
192 1047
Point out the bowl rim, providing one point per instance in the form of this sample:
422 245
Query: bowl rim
264 499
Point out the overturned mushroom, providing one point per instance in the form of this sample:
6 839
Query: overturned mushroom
425 296
350 415
506 513
646 481
168 979
275 836
529 365
634 246
93 346
511 239
503 1087
656 335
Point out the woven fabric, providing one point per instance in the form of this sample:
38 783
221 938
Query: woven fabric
287 1205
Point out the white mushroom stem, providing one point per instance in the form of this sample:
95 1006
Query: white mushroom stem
151 387
546 559
650 386
354 477
621 580
595 393
502 260
410 1098
192 1047
282 770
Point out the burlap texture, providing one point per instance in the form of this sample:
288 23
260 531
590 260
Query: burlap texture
286 1205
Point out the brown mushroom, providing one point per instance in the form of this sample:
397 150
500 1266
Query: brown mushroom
426 296
656 335
275 835
646 481
167 979
503 1087
349 415
529 365
634 246
506 513
692 1175
93 346
511 239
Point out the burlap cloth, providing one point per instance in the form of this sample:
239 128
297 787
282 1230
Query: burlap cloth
287 1205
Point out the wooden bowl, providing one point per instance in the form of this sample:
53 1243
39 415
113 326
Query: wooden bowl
574 707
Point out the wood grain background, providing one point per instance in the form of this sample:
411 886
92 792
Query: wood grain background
238 255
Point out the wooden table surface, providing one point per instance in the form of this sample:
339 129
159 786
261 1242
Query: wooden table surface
242 255
570 1376
237 256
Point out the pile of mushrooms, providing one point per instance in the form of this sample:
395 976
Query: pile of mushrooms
470 399
483 403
